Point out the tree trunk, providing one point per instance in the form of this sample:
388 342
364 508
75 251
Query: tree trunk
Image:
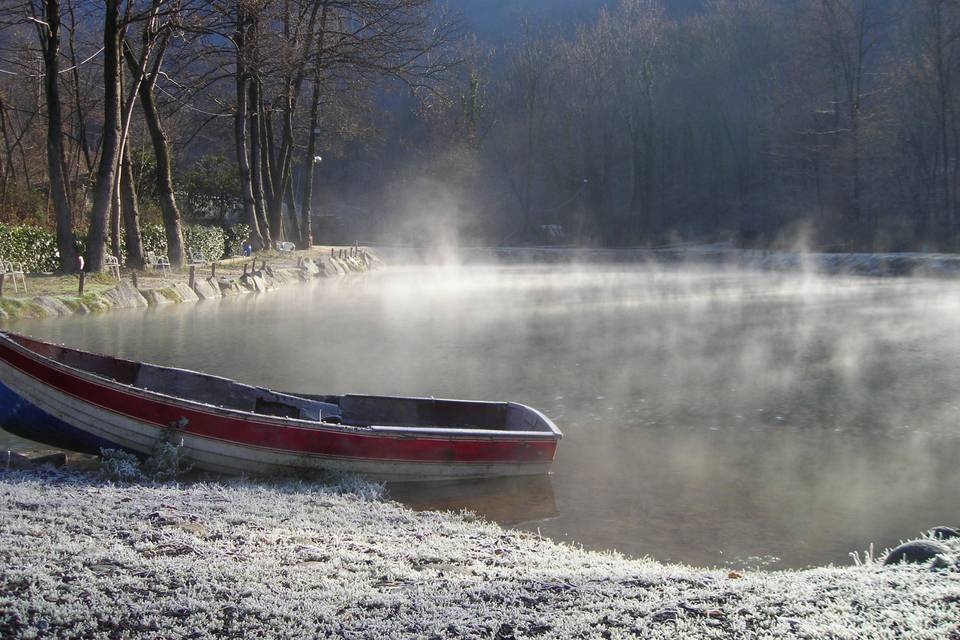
165 193
55 161
9 173
131 213
293 233
282 171
83 142
283 162
256 151
105 189
309 164
275 196
266 155
115 248
240 136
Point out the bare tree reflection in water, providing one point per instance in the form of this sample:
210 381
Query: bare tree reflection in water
711 415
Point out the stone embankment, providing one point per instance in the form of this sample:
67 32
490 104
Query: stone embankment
256 276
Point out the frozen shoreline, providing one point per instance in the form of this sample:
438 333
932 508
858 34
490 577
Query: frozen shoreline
169 287
85 558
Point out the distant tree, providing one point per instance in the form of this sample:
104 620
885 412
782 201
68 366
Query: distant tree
851 32
638 42
528 86
929 115
212 186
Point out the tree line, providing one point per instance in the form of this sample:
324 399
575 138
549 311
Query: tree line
833 120
97 79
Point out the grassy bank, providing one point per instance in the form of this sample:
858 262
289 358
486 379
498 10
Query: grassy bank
54 295
82 557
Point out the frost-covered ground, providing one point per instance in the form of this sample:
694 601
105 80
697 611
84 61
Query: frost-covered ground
80 557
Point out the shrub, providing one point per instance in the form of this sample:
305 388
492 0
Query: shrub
234 238
36 248
208 241
211 188
119 466
166 462
154 239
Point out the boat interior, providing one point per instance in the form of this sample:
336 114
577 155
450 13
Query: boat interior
349 410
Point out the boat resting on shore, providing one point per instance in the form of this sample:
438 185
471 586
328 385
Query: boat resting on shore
86 402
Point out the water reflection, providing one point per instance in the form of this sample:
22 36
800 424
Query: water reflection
709 415
509 501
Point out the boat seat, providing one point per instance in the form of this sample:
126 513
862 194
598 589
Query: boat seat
279 409
198 387
422 412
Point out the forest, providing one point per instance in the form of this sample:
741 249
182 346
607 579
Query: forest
831 125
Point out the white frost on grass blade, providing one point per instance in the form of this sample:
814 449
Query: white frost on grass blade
84 558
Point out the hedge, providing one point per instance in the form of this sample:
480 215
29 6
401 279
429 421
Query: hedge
235 237
213 242
36 248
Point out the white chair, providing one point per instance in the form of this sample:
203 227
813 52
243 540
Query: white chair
112 264
286 247
154 262
196 258
12 269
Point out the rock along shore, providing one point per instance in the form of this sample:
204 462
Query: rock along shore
258 274
86 558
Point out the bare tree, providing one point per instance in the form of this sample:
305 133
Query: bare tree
161 148
530 84
636 31
106 182
48 22
243 23
852 31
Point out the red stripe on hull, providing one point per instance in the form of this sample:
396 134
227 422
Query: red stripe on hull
255 432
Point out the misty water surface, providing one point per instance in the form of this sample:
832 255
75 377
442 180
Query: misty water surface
711 416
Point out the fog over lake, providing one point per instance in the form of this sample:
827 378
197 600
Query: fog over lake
712 416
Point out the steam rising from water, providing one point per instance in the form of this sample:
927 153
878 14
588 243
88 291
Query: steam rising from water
711 415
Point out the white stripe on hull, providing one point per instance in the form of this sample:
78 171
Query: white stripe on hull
232 458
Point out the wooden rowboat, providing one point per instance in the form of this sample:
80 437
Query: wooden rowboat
87 402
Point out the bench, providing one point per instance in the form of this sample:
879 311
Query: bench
112 264
13 269
152 261
196 258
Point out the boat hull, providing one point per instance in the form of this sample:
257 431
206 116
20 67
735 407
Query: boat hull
49 402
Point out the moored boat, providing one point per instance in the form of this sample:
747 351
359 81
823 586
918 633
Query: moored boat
86 402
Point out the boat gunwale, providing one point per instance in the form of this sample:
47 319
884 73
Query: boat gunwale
372 431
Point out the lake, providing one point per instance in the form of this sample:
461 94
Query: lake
711 416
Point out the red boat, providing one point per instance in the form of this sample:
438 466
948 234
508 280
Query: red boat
86 402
